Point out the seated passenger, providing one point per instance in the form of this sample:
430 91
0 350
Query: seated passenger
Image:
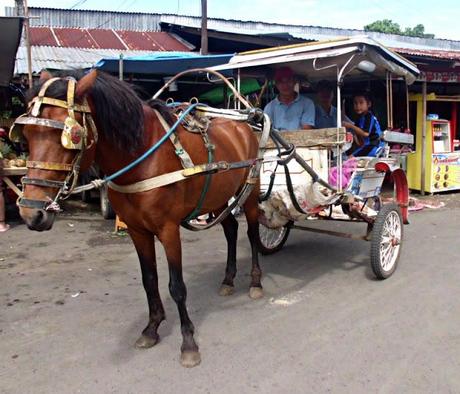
367 127
325 112
289 110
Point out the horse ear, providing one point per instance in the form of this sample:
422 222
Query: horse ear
85 84
45 75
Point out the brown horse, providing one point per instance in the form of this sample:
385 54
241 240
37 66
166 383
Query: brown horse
128 127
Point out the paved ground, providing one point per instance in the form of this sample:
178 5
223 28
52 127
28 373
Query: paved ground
72 306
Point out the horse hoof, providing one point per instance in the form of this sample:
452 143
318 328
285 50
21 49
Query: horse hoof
190 359
145 342
226 290
256 292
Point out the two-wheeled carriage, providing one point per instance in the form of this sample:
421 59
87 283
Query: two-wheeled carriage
297 187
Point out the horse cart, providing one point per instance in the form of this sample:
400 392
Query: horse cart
304 156
169 164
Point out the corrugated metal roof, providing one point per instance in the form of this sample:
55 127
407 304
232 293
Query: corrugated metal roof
439 54
91 19
105 39
150 22
73 37
66 58
136 21
311 32
42 36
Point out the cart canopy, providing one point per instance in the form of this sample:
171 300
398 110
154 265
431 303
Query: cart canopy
326 59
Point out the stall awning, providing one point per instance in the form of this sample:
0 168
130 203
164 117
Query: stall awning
162 63
11 29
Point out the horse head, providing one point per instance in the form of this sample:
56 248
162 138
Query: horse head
61 136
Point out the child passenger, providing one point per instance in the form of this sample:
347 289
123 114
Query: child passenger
366 128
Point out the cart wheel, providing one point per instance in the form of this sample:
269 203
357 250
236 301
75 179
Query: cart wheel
386 241
86 196
106 208
84 179
271 240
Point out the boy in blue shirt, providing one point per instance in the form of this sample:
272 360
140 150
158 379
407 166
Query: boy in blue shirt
367 128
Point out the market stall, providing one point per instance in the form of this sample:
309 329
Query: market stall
437 149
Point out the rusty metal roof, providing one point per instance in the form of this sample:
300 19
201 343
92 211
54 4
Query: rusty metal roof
434 53
60 58
105 39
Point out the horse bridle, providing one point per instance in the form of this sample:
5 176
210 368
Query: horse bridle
74 136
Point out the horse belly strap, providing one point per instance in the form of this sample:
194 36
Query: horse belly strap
149 184
180 175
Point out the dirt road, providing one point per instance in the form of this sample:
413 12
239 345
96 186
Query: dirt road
72 306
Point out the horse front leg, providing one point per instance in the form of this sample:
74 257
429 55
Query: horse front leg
251 211
144 243
230 225
170 238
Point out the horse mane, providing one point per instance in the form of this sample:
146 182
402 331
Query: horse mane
163 109
118 110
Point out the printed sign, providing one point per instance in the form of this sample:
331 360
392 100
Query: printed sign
445 172
439 76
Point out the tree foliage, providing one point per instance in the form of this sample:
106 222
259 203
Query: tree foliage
390 27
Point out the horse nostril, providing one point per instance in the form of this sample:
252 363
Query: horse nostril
39 217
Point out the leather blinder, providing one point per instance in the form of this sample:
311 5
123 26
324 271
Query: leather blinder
73 135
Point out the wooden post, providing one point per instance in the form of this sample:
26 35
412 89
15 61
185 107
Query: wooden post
28 48
387 88
453 124
407 107
204 28
120 67
390 121
423 158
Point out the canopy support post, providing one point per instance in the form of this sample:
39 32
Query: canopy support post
340 76
339 123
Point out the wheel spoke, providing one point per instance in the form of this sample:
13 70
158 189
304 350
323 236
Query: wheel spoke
270 237
390 240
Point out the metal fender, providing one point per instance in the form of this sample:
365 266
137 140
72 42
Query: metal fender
401 186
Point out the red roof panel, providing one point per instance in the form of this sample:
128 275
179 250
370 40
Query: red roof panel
42 36
138 40
74 37
167 42
106 39
435 53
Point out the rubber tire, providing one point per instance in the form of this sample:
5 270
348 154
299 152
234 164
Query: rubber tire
106 208
267 251
86 196
84 179
379 272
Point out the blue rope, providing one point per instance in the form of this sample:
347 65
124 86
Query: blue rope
153 148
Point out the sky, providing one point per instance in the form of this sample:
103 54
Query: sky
441 17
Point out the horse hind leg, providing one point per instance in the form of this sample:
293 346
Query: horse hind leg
251 211
230 225
145 247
